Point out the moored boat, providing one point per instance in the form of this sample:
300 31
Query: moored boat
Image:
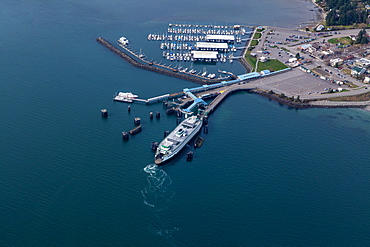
125 97
123 41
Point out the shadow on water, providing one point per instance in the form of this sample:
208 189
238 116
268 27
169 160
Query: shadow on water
157 195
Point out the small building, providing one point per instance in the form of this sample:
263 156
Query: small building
367 79
356 71
353 37
327 52
304 47
362 62
265 72
320 28
263 59
335 61
307 48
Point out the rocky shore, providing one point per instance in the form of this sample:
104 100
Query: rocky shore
310 104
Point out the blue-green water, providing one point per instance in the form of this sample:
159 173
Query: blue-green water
266 175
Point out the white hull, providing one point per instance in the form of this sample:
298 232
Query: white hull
118 98
125 97
176 148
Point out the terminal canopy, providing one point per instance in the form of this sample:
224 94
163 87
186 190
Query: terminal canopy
211 45
218 37
204 54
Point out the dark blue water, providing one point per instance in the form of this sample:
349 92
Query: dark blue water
266 175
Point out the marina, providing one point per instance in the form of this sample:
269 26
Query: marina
193 44
187 42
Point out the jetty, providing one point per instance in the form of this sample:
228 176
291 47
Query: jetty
136 61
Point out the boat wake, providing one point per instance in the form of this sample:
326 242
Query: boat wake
157 195
158 192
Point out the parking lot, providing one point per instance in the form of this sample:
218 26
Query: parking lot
296 82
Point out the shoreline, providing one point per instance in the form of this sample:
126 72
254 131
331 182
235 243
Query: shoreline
321 14
311 104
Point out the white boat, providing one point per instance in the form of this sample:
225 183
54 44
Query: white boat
177 139
125 97
123 41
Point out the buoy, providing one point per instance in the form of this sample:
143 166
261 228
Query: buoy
129 108
104 112
151 115
125 135
157 114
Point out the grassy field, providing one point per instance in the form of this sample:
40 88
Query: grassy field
257 35
272 65
343 40
254 42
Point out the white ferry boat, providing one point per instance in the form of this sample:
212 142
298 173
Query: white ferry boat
125 97
177 139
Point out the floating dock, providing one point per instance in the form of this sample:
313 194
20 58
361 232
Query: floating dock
135 130
198 142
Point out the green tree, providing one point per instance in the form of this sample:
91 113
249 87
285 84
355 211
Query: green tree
362 37
364 40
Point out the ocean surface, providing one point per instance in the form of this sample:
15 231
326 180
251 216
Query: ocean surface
266 175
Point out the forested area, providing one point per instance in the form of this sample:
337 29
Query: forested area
345 12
